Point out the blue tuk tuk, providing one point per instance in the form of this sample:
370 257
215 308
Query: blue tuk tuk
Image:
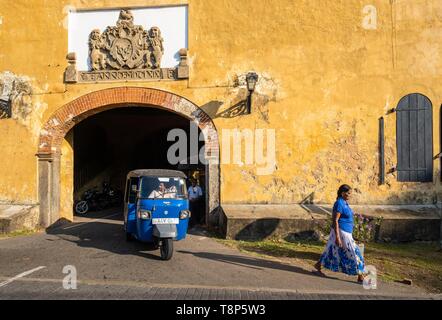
156 208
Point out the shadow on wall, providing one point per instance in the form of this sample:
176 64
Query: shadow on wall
308 204
288 229
259 229
238 109
212 108
414 197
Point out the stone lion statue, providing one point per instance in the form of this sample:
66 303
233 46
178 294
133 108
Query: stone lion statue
126 19
97 56
156 48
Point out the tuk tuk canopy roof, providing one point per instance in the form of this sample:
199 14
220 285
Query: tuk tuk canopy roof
156 173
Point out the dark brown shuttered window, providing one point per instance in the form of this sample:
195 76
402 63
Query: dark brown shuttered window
414 134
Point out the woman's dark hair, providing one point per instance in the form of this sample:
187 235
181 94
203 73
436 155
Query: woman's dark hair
343 188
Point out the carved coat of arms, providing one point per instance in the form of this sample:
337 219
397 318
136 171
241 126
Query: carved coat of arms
126 52
126 46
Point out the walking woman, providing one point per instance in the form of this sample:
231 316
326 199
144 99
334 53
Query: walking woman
341 253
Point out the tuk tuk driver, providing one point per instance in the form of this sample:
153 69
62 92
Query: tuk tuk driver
160 192
163 192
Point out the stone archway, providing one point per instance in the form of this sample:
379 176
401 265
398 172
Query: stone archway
65 118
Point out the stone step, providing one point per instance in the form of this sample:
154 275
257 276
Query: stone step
18 217
400 223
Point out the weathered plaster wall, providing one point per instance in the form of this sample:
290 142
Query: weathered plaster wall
67 177
325 81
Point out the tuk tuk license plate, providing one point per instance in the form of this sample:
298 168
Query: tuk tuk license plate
166 221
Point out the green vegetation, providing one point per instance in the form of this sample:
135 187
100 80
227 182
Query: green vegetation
20 233
420 262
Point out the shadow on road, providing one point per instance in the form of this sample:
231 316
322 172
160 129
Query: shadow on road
288 252
103 233
115 214
256 263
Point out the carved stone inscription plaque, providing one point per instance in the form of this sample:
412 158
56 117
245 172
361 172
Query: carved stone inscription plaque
126 75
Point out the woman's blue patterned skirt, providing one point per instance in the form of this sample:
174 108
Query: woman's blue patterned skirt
347 259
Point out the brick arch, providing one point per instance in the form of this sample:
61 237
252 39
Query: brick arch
66 117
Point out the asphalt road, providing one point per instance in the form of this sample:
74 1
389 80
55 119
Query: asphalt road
108 267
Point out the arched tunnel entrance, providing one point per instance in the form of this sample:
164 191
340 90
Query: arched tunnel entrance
110 144
123 128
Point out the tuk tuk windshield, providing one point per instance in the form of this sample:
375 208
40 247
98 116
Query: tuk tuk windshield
163 188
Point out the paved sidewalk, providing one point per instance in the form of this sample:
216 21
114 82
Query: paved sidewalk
53 290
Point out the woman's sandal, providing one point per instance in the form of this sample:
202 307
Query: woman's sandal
318 270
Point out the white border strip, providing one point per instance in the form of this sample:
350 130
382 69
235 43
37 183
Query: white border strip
21 275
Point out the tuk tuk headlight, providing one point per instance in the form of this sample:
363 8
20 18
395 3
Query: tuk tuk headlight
144 214
185 214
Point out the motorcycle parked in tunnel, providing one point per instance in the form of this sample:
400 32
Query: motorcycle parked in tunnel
110 197
156 208
94 200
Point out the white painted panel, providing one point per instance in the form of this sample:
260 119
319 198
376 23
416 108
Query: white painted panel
172 22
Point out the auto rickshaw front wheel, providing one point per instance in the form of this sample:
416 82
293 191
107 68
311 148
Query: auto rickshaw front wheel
166 249
156 243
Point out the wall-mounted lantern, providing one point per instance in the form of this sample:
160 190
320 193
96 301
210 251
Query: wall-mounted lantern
251 79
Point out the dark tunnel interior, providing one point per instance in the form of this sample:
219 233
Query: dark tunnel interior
108 145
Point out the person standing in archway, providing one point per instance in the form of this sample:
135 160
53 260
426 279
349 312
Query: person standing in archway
195 196
341 253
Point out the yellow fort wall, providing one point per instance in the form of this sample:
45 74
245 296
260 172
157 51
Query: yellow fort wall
324 83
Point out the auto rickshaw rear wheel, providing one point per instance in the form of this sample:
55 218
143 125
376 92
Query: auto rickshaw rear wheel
166 249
